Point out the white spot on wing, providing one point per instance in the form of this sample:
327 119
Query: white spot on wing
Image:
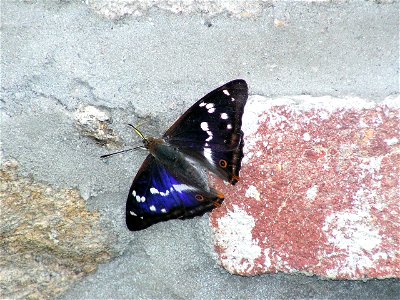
154 191
134 193
226 92
204 126
210 107
229 126
224 116
207 154
164 194
163 210
137 198
202 104
210 136
143 199
132 213
152 208
182 187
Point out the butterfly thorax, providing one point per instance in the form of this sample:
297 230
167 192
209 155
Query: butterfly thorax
181 166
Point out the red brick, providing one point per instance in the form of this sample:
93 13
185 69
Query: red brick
319 192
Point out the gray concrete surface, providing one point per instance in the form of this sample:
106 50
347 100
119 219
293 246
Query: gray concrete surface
57 55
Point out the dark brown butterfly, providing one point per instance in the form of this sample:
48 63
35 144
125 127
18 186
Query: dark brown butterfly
171 183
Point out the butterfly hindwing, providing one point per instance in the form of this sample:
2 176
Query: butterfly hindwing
156 196
210 130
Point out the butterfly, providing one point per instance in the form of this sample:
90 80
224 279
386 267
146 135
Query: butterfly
172 181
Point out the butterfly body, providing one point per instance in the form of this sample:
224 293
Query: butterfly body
182 167
172 181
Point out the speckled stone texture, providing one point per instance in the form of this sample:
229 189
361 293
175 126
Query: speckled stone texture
48 237
319 191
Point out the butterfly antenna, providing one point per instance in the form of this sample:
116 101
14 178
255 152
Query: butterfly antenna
122 151
138 132
131 149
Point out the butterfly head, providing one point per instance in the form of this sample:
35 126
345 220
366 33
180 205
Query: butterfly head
148 142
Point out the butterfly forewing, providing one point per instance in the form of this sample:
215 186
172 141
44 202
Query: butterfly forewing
211 131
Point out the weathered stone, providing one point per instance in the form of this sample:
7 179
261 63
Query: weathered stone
48 237
115 9
319 191
94 123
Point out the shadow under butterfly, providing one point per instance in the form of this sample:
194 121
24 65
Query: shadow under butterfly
171 183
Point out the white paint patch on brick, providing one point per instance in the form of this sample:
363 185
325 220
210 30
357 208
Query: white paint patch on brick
355 234
267 260
234 234
252 192
250 120
306 137
326 167
312 193
392 141
371 167
392 101
354 230
323 115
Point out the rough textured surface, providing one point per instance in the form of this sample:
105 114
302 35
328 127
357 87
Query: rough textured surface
95 123
48 239
114 9
320 190
58 56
